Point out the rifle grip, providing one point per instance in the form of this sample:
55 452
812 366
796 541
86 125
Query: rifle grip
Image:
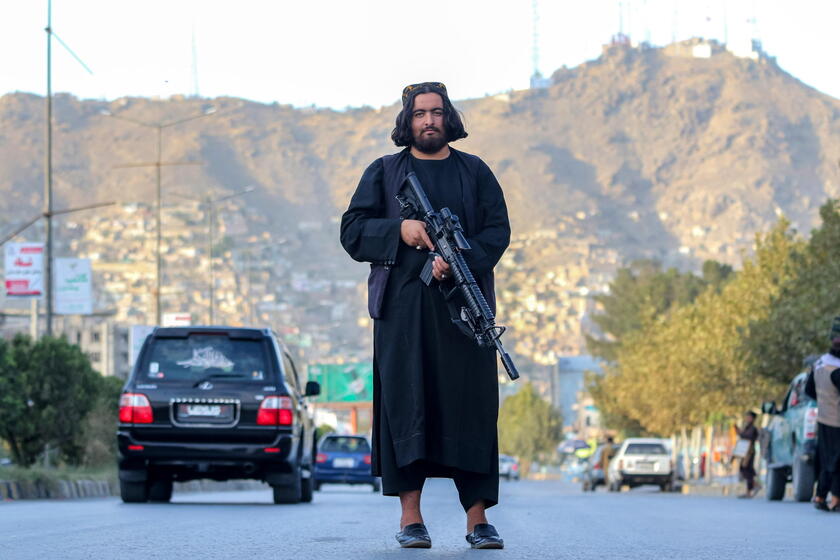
426 275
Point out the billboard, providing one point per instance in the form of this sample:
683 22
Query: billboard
73 291
343 382
24 270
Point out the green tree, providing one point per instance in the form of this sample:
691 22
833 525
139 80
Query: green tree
691 365
643 293
47 389
798 322
98 440
528 426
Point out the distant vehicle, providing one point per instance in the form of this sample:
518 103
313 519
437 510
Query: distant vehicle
5 462
344 460
219 403
508 467
642 461
593 474
792 443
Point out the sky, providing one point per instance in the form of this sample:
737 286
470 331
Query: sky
350 53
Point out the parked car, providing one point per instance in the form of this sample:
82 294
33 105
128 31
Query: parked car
508 467
217 403
593 474
791 440
642 461
344 460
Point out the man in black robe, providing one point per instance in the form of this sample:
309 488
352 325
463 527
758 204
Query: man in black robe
436 397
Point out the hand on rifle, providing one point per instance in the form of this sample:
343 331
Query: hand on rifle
440 269
413 233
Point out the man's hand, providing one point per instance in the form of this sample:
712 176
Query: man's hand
413 233
440 269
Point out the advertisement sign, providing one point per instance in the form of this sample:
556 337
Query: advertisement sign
176 320
343 382
137 336
24 270
73 287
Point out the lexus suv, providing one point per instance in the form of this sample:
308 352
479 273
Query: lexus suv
215 403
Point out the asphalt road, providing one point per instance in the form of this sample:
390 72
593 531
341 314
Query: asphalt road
537 520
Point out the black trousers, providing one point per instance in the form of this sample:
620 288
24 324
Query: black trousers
828 461
471 486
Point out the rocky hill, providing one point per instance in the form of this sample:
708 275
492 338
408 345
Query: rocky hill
643 152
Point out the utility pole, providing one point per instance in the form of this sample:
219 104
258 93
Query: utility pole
48 212
48 180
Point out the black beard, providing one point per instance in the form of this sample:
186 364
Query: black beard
430 144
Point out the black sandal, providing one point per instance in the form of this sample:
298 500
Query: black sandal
485 535
414 535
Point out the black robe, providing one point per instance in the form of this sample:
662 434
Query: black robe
435 391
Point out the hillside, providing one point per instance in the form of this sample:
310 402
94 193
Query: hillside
637 153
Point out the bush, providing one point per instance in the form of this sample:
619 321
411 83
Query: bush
47 390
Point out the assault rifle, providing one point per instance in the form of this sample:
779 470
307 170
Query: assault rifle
475 319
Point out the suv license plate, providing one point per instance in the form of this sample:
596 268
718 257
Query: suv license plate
201 410
344 463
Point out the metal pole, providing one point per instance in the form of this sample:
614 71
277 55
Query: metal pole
48 179
33 318
159 228
211 213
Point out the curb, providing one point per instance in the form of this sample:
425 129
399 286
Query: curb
79 489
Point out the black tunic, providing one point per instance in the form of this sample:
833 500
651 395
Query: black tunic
436 391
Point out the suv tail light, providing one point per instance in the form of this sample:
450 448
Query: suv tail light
811 423
135 408
620 464
275 411
367 459
321 458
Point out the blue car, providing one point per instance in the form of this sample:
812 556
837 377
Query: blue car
344 460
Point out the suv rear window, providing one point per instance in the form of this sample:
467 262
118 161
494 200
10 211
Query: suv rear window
204 356
646 449
346 445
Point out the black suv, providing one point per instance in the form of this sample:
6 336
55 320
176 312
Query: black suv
219 403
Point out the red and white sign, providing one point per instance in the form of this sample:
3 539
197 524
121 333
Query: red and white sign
24 270
176 320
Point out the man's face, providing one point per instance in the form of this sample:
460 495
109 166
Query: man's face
427 123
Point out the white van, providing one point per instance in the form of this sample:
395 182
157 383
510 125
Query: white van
642 461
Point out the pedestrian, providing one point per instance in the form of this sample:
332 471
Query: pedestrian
823 384
749 435
436 397
606 455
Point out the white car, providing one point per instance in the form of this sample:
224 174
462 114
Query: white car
642 461
508 467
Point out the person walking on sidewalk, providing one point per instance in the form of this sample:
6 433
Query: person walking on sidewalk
749 433
436 393
823 384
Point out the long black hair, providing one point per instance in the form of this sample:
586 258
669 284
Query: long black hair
453 125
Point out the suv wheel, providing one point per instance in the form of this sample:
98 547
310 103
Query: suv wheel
160 490
134 492
306 488
289 494
803 480
376 486
776 480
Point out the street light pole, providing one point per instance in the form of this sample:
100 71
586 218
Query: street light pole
157 164
211 236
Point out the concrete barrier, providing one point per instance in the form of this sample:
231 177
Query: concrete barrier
77 489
